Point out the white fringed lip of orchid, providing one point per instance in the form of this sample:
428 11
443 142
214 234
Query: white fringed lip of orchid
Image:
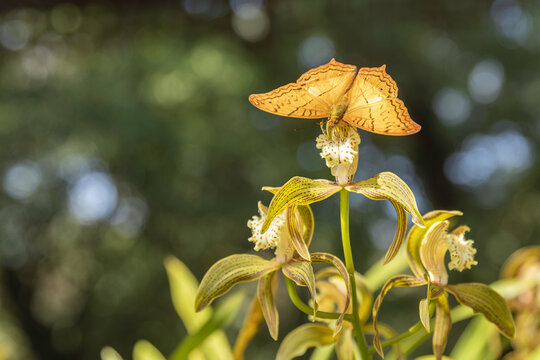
437 242
461 250
271 237
339 148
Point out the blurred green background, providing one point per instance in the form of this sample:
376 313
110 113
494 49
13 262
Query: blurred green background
126 136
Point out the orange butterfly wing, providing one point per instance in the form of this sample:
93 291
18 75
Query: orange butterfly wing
312 95
374 106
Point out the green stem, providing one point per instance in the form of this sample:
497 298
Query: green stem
412 330
347 253
302 306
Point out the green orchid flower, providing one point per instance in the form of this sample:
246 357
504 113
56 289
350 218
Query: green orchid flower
301 191
294 224
426 250
333 296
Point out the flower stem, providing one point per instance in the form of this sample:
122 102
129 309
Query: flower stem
347 253
302 306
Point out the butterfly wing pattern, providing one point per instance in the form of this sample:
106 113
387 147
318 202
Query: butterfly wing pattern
370 95
312 95
374 106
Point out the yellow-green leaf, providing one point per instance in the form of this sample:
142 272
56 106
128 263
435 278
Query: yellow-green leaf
388 186
302 338
250 327
301 272
223 314
108 353
481 298
443 323
143 350
184 286
330 259
416 234
294 231
396 281
227 272
265 293
298 191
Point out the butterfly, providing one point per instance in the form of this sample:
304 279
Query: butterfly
365 98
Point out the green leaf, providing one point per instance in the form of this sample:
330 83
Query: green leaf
302 338
396 281
143 350
227 272
298 191
108 353
265 294
224 314
388 186
252 321
183 286
296 238
416 234
475 341
481 298
342 270
443 323
301 272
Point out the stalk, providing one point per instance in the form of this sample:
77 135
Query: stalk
344 215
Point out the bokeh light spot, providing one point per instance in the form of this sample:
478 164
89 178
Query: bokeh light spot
93 197
486 80
22 180
316 50
511 20
14 34
451 106
251 22
483 157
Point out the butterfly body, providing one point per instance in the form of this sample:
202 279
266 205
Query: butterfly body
365 98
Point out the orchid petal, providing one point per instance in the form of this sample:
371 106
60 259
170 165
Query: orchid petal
296 238
396 281
227 272
342 270
416 235
388 186
265 293
301 272
443 323
302 338
481 298
299 191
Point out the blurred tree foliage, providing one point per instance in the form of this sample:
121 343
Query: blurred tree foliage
127 135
